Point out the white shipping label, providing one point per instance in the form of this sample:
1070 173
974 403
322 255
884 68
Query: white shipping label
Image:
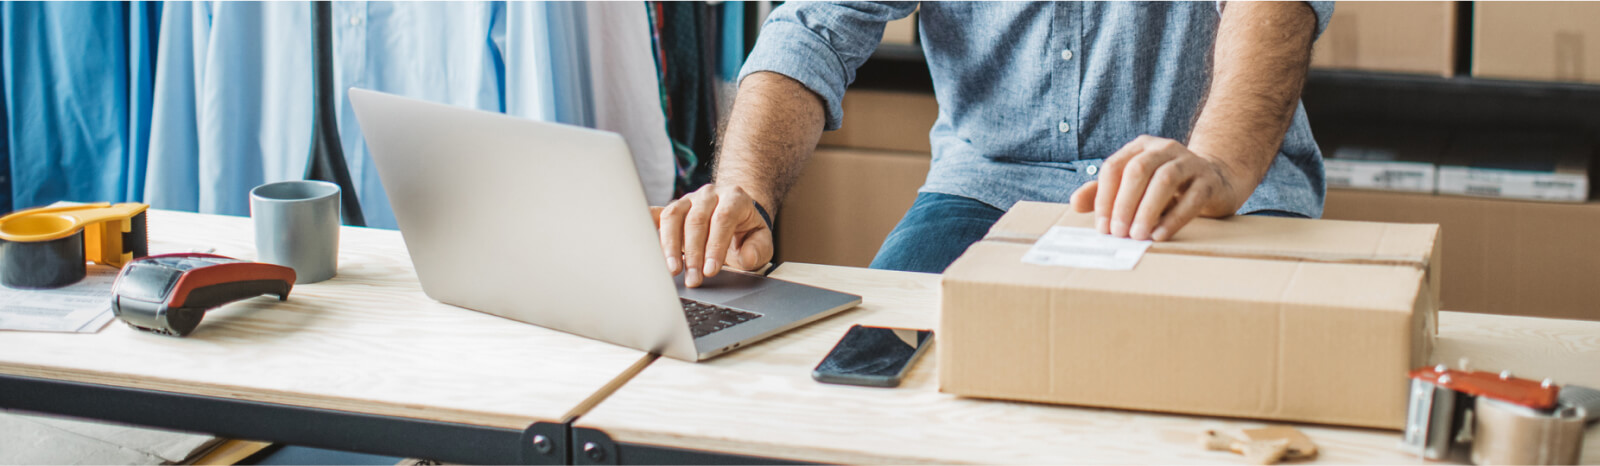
1085 248
82 307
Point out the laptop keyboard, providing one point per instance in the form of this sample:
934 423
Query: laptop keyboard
705 319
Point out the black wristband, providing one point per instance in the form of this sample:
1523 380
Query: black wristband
764 216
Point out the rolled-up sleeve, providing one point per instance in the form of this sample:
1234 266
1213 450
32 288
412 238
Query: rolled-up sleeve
1324 12
820 44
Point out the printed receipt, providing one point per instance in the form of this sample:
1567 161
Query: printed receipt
82 307
1085 248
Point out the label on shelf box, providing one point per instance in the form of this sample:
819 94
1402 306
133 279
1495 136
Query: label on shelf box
1489 182
1388 176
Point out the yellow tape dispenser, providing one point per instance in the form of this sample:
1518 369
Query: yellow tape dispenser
47 247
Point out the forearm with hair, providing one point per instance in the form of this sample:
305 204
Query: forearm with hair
1262 52
771 132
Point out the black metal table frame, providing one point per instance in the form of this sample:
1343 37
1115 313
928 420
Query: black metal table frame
539 443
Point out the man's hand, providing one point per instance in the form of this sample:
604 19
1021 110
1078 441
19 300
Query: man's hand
709 227
1153 186
772 130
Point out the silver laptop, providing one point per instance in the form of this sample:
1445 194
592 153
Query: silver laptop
548 224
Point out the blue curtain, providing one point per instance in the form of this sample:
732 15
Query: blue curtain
70 110
5 145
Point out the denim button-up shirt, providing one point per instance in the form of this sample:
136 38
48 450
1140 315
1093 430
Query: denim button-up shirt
1032 95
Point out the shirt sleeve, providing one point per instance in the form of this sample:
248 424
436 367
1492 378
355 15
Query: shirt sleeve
820 44
1322 10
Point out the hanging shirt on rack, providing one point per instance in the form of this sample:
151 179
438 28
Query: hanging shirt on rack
628 95
144 24
233 100
685 76
532 60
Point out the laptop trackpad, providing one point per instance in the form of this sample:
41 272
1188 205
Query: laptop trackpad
723 288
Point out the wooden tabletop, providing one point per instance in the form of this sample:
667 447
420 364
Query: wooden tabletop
761 400
366 341
369 341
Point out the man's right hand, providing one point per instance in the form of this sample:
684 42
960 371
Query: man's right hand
712 226
772 129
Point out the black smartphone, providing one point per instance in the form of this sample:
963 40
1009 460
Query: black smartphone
873 356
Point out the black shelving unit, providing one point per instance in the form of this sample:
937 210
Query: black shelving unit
1457 84
1460 104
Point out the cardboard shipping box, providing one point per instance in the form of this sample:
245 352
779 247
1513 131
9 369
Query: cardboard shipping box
1548 41
885 120
1398 37
1259 317
1539 259
845 204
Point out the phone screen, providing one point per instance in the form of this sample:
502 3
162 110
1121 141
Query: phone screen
872 356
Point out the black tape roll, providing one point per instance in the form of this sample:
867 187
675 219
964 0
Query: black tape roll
43 264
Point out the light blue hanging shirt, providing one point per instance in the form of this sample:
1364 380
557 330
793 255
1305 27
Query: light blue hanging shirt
235 93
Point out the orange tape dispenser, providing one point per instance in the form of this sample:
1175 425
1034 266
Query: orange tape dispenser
47 247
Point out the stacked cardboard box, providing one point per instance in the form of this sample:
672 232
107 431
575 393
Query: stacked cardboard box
1398 37
902 31
1509 257
845 204
860 182
885 120
1547 41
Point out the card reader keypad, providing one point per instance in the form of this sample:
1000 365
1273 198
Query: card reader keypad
705 319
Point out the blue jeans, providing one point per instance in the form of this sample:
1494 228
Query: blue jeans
936 230
939 227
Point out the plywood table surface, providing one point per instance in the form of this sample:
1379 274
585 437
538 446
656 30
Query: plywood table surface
366 341
761 400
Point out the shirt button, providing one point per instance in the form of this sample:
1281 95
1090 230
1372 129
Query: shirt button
1066 54
1064 127
1091 170
355 20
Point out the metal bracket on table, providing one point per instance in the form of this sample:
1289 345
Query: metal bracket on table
545 443
590 446
540 443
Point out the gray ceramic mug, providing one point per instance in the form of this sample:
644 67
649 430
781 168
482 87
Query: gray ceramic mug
297 226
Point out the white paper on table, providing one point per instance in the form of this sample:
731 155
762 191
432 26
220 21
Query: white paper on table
82 307
162 247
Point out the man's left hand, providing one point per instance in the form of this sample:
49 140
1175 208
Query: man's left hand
1153 186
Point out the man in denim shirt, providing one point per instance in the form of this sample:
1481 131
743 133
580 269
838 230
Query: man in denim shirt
1147 114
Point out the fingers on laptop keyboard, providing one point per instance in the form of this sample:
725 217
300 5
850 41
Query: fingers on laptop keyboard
670 226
